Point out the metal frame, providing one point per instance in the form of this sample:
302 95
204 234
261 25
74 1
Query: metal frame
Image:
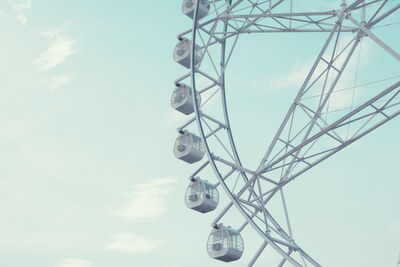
295 148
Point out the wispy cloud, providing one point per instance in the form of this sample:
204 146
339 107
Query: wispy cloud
60 80
339 99
61 46
22 19
147 200
22 9
132 243
21 5
70 262
294 78
4 14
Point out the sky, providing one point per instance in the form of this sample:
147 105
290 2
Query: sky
88 177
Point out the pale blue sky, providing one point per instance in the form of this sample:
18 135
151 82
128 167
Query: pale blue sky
87 136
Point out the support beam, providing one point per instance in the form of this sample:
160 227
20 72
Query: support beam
258 253
375 38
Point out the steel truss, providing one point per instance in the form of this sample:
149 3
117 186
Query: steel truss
310 132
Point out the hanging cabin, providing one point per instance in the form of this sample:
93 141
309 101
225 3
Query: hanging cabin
189 6
201 196
182 99
183 52
189 147
225 244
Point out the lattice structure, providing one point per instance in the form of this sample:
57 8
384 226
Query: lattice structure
312 130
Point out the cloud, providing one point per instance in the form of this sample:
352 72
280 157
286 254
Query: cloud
339 98
61 46
70 262
132 243
294 78
60 80
2 13
148 200
22 9
22 19
21 5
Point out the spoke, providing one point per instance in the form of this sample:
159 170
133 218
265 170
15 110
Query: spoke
207 52
286 214
213 133
383 16
258 253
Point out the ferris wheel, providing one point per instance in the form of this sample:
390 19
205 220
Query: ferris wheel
314 128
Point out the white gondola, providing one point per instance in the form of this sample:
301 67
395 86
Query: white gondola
183 51
188 7
225 244
201 196
189 147
182 99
